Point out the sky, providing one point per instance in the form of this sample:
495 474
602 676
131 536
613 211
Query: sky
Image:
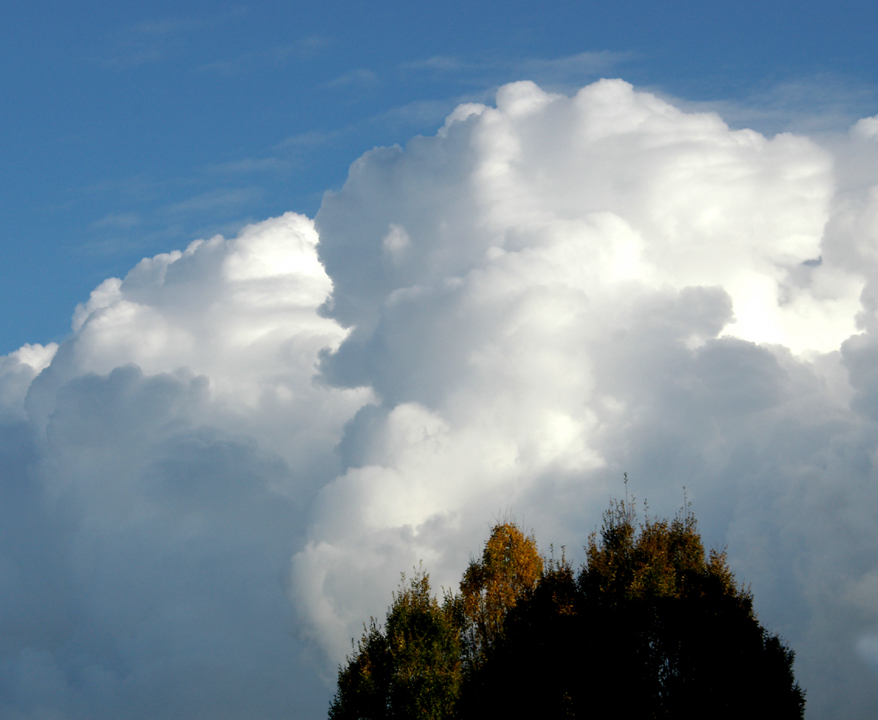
298 296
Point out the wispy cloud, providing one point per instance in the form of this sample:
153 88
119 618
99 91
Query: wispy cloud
437 62
215 200
360 77
249 165
155 41
814 105
568 70
418 113
305 48
432 112
118 220
313 138
147 43
574 68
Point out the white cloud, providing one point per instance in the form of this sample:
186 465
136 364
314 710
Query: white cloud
154 495
504 317
17 371
592 285
866 128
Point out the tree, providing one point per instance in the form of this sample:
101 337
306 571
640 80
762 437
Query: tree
691 641
409 669
510 567
529 669
650 627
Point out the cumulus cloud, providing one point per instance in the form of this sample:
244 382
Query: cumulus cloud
212 483
17 372
555 290
159 480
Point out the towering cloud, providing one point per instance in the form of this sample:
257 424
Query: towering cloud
219 476
161 481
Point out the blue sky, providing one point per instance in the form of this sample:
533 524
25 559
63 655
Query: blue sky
299 295
132 129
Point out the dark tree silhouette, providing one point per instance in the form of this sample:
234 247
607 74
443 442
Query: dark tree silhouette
411 668
650 627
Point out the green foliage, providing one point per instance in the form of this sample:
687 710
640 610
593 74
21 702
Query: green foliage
656 559
411 668
363 684
650 627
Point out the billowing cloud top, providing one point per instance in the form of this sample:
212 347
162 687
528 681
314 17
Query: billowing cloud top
219 476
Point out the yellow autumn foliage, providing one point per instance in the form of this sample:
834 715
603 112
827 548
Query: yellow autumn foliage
510 566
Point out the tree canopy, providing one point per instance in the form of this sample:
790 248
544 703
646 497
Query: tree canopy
649 627
410 668
510 568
